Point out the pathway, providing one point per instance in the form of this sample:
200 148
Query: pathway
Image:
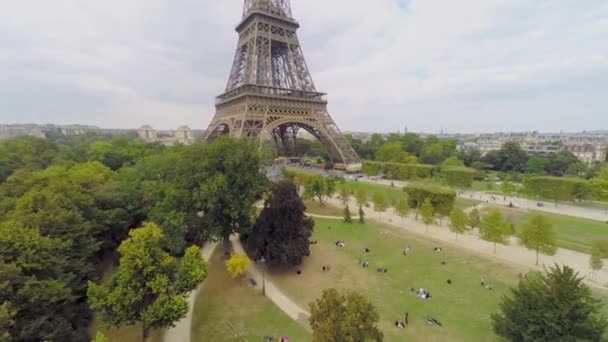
273 293
182 329
512 253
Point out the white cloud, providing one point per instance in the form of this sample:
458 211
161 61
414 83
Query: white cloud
464 65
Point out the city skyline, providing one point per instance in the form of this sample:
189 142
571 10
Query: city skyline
470 67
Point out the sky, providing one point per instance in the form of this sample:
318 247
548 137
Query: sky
460 66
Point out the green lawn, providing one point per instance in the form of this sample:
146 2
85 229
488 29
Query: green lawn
572 232
230 310
394 193
464 307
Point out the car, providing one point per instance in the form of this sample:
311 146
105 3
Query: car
539 204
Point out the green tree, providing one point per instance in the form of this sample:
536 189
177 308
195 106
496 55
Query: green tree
345 193
556 306
511 158
361 197
150 286
319 187
432 154
227 178
595 261
536 165
458 222
428 213
282 232
344 317
474 218
403 208
495 229
361 215
538 235
380 203
347 216
393 152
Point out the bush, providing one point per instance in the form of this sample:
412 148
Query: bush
442 199
461 177
398 171
557 188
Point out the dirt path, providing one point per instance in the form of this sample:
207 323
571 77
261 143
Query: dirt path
512 253
273 293
182 329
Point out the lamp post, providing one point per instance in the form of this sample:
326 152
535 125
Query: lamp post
262 262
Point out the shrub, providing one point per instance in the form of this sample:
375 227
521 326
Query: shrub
441 198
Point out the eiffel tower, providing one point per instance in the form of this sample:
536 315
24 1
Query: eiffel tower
270 93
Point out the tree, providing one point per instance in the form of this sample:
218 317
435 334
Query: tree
427 213
150 286
345 194
320 187
595 262
536 165
282 232
538 235
495 229
458 222
227 178
361 197
432 154
347 216
555 306
511 158
237 265
557 188
393 152
507 187
474 218
403 208
344 317
361 215
380 203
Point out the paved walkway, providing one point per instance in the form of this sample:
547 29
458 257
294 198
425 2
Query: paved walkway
513 253
273 293
523 203
182 329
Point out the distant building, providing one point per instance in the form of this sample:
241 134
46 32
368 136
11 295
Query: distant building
588 153
182 135
12 131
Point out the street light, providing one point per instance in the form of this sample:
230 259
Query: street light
262 261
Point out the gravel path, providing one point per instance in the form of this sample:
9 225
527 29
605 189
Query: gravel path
182 329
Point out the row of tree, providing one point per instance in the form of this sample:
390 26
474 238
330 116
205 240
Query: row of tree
65 210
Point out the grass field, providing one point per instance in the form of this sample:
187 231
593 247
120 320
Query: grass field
572 232
464 307
230 310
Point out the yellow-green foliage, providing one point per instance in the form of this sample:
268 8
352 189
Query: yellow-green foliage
237 265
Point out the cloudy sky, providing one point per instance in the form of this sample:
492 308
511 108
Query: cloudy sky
466 65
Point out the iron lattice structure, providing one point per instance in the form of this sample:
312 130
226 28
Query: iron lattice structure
270 93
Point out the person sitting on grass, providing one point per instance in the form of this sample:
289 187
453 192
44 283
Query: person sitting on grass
399 324
382 270
430 320
340 244
407 250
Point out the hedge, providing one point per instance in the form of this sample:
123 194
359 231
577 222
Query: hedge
557 188
441 198
398 171
460 177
